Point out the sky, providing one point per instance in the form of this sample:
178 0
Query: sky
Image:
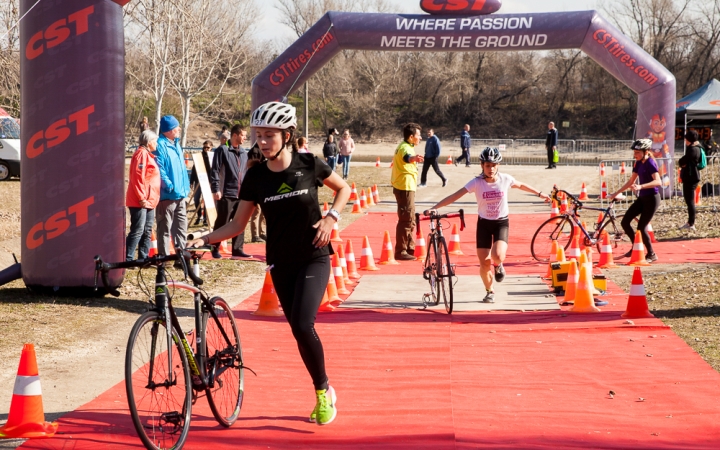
269 28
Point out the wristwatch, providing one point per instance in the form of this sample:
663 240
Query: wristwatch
334 214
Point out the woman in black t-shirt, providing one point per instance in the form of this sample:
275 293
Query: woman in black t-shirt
286 189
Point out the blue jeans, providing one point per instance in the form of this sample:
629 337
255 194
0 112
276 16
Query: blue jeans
345 161
141 223
331 162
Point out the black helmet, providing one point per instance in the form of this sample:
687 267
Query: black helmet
490 154
642 144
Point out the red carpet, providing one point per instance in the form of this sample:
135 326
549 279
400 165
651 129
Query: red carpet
424 380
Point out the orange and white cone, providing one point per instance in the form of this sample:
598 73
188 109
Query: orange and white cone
370 201
599 221
377 162
350 257
584 301
574 251
454 247
622 168
602 169
325 209
224 247
363 200
698 196
583 193
353 193
269 304
638 252
338 274
563 204
553 258
356 207
449 160
376 194
367 261
603 190
554 211
420 247
606 256
387 256
343 265
571 283
335 233
651 233
26 418
153 245
325 304
331 290
637 307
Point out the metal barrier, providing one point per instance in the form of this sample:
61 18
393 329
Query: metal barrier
533 151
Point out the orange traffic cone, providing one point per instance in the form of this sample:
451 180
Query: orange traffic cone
651 233
325 304
367 261
583 193
637 307
353 193
269 304
584 301
698 196
331 290
325 209
602 169
554 211
603 190
350 257
553 258
638 252
335 234
343 265
572 280
449 160
376 194
574 250
622 168
387 256
664 178
377 162
356 207
454 247
338 274
420 247
363 200
599 221
26 418
561 254
153 245
606 256
224 247
563 204
370 201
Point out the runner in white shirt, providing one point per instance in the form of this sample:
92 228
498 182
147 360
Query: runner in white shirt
491 192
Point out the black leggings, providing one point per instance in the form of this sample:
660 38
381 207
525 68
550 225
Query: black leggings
689 195
645 207
300 288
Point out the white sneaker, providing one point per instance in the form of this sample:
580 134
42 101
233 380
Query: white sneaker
687 226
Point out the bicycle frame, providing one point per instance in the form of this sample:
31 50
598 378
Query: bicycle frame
608 214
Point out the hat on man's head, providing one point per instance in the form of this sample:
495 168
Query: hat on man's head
168 123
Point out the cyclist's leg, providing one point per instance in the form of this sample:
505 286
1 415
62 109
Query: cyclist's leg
633 211
500 240
483 240
650 204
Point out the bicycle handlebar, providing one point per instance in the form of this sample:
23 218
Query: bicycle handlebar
578 203
183 256
460 214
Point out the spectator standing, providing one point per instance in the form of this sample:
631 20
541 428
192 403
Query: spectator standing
228 169
690 175
195 184
171 213
330 151
144 124
302 145
347 147
257 220
432 153
465 143
551 141
142 196
404 182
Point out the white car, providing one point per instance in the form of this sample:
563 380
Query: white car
9 148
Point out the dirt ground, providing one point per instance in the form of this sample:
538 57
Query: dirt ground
72 333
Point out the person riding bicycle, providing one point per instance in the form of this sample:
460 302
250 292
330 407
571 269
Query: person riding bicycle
285 187
647 190
491 191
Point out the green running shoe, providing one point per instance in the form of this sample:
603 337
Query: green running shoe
325 410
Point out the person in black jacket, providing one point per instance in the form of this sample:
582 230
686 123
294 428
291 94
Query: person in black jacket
330 151
690 175
228 169
432 153
551 142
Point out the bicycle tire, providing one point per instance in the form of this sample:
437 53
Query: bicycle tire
619 241
161 413
430 272
558 228
224 364
445 275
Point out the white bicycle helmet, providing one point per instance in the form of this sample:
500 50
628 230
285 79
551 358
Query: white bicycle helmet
642 144
490 154
280 116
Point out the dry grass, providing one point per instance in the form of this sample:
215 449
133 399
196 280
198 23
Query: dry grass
9 209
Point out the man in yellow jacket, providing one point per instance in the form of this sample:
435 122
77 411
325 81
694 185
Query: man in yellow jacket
404 182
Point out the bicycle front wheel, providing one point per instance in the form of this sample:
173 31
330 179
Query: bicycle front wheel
445 275
157 382
224 366
430 271
558 229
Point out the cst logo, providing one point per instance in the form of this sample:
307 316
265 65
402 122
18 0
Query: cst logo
58 223
468 7
58 132
58 32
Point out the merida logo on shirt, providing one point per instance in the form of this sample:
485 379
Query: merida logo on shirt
285 191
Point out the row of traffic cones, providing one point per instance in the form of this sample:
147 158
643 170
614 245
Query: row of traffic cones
637 258
362 201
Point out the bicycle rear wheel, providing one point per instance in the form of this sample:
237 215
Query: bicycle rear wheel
558 229
430 270
159 395
445 274
224 364
620 243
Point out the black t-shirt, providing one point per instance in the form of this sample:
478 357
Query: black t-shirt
289 201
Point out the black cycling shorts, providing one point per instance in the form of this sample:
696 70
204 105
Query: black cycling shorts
489 231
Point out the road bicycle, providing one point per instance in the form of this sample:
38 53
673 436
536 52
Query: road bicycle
163 374
562 229
438 270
